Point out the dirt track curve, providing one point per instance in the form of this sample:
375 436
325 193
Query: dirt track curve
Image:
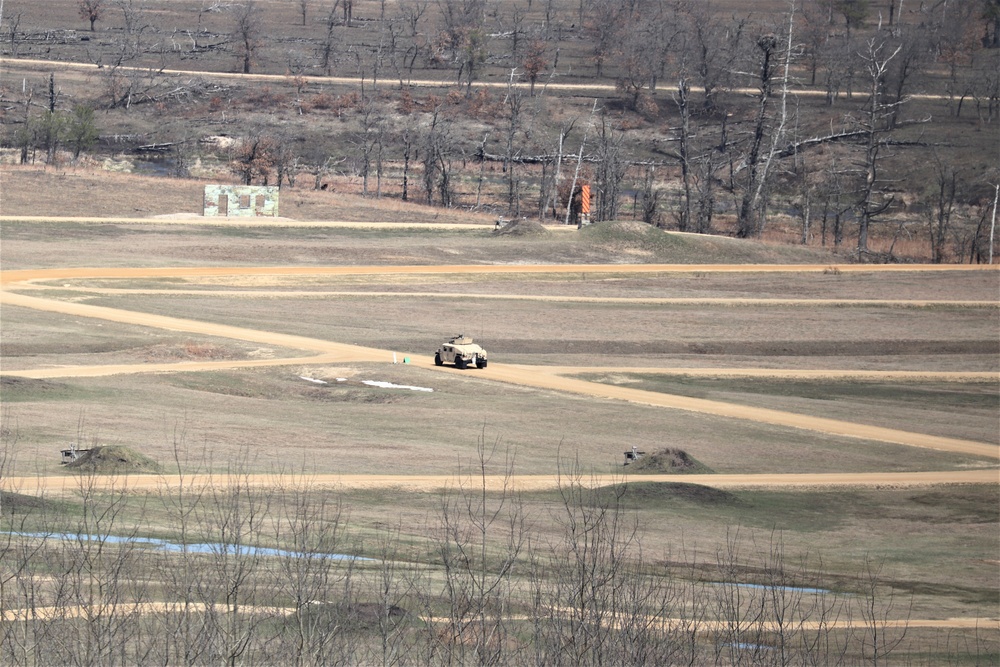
549 378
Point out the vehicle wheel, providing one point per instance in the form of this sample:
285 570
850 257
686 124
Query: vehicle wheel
481 363
437 359
459 363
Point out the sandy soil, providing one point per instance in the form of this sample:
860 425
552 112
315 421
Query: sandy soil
9 277
67 484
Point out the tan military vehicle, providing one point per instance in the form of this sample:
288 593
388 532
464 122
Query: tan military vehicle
461 351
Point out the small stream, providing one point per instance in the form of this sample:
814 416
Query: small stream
174 547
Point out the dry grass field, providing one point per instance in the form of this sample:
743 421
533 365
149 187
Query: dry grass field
842 420
937 543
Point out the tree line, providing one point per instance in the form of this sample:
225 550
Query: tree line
717 122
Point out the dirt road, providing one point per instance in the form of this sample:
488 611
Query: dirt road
579 88
538 377
200 220
26 275
69 484
329 358
661 301
143 608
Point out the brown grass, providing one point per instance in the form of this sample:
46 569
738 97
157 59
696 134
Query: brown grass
294 421
279 421
89 192
320 119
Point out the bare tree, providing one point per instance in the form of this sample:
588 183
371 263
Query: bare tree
599 540
650 201
881 636
15 25
328 48
247 32
610 169
602 23
571 192
285 162
717 47
50 133
313 531
492 588
550 180
516 30
125 85
187 634
815 33
436 160
512 107
636 67
956 40
91 10
254 157
411 15
749 219
133 22
473 53
753 209
391 586
906 67
370 143
739 637
828 50
874 127
407 140
534 63
465 36
854 12
646 43
235 516
482 535
985 88
942 209
102 572
980 242
681 99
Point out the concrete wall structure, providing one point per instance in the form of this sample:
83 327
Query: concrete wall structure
241 200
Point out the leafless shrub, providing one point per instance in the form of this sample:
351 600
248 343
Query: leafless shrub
496 589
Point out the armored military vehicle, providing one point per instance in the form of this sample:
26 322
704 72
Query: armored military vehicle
461 351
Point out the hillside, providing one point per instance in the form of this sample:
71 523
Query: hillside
873 133
92 194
